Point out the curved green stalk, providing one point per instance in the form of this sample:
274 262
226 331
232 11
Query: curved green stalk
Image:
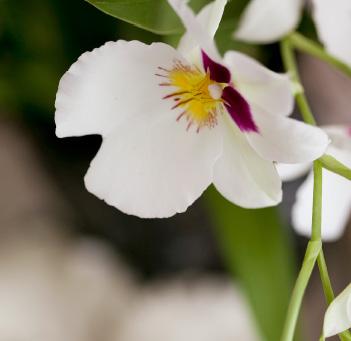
335 166
302 280
290 65
314 248
317 202
312 48
327 287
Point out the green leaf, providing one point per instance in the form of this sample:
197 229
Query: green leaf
152 15
157 16
258 253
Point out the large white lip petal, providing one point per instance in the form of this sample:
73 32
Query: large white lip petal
286 140
266 21
241 175
333 22
154 170
111 84
267 89
336 318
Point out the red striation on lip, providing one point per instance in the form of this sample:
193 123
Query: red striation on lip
239 109
218 72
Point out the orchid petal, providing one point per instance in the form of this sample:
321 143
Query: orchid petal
218 72
267 89
105 87
241 175
194 27
333 22
209 18
286 140
266 21
340 136
336 192
289 172
238 109
155 168
337 317
336 201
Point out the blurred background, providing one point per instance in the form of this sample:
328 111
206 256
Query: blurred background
73 268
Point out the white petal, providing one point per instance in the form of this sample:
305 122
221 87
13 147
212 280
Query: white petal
155 168
289 172
209 18
336 201
340 146
286 140
266 21
337 319
194 28
110 84
267 89
333 22
336 192
241 175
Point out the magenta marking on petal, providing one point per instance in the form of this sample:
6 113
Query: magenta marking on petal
218 72
239 109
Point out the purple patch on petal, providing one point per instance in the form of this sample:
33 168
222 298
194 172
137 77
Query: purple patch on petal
218 72
239 109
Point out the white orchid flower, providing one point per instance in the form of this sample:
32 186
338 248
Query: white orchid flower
338 315
267 21
336 196
175 121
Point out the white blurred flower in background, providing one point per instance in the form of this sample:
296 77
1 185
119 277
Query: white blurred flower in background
200 310
338 315
267 21
53 289
336 196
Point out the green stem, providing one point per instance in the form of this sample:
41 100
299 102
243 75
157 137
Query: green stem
309 46
314 249
323 270
302 280
335 166
317 201
315 244
316 236
290 65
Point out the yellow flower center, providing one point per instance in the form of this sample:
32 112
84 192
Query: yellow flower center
196 94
